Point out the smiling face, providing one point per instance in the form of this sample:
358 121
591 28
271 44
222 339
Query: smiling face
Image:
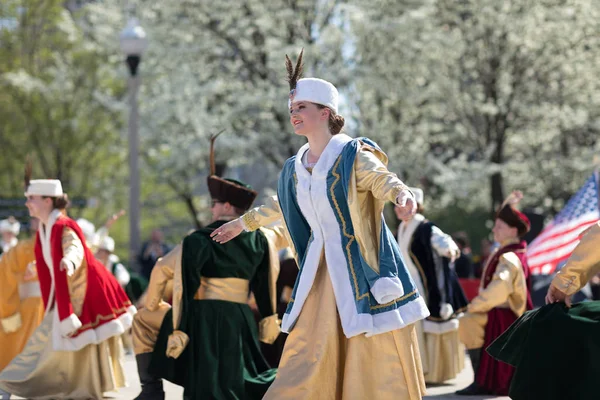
39 207
307 118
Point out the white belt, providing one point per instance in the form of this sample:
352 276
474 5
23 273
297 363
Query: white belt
29 289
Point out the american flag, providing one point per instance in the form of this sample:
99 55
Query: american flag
558 240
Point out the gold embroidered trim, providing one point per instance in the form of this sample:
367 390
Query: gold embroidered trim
394 301
454 314
350 238
99 318
250 221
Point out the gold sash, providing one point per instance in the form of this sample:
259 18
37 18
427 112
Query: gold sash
234 290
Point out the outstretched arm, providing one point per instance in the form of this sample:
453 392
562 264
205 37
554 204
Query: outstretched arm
264 215
583 264
372 175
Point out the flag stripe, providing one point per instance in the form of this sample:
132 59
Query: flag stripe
558 240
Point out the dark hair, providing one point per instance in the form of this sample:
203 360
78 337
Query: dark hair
60 202
420 208
336 121
461 238
239 211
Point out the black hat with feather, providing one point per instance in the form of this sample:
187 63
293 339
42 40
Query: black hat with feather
231 191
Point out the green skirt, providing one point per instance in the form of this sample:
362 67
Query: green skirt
555 351
223 358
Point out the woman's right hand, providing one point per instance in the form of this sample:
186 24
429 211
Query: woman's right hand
230 230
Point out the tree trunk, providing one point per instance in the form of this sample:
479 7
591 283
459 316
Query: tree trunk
189 203
496 191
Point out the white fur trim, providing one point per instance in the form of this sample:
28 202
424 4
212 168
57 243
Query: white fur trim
446 311
318 91
115 327
405 234
312 195
45 232
387 289
69 325
44 187
440 328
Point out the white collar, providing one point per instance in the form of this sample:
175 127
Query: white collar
327 158
408 228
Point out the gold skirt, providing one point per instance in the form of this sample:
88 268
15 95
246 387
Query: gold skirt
445 356
319 362
40 372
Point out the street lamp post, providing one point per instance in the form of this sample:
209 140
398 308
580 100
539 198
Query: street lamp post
133 43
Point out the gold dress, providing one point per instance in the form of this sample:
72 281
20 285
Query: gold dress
40 372
21 307
319 361
443 355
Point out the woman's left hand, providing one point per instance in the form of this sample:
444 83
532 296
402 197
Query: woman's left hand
406 204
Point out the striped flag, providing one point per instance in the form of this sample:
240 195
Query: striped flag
558 240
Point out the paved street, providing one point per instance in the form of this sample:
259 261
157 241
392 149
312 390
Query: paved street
175 393
441 392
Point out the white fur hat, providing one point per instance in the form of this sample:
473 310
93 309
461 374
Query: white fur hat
44 187
418 194
10 225
88 229
107 244
315 90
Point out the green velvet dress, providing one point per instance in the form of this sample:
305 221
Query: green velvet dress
555 351
223 358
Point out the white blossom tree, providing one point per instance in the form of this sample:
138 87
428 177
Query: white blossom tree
215 66
476 98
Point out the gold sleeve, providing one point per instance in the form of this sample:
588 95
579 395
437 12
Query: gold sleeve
372 175
73 250
270 326
162 273
264 215
583 264
500 288
73 254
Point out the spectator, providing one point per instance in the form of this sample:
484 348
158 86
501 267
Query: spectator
152 250
486 250
463 265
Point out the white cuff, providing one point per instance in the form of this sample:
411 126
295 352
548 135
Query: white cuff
387 289
69 325
70 266
11 324
440 328
446 311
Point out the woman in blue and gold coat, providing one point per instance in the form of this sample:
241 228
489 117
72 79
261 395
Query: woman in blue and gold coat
353 308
